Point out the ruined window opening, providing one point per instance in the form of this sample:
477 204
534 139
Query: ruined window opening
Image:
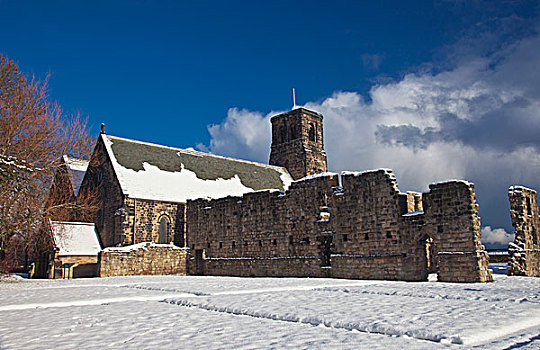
260 243
220 245
233 245
274 242
529 210
312 133
431 260
439 229
245 243
163 230
388 234
291 240
534 236
366 236
208 245
345 238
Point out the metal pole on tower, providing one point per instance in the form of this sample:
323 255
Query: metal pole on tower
293 99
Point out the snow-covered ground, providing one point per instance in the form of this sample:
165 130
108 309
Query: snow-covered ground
173 312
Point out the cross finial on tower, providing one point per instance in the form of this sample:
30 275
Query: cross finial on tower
293 99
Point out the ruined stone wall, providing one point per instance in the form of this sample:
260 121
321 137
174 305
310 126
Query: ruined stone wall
451 218
261 234
143 259
524 252
321 229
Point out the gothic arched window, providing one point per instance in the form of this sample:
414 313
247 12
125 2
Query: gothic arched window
163 230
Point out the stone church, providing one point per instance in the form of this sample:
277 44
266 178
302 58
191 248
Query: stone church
164 210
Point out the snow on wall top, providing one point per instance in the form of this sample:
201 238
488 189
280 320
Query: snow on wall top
149 171
520 188
314 176
76 169
465 182
75 238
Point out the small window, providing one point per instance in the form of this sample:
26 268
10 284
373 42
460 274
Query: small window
245 243
312 133
274 242
366 236
291 240
388 234
233 244
439 229
345 238
208 245
260 243
163 230
529 209
220 245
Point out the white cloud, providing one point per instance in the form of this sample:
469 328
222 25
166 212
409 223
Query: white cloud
497 236
479 121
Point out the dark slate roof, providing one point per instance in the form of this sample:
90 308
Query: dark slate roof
150 171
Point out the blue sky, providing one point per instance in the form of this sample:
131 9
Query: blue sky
431 89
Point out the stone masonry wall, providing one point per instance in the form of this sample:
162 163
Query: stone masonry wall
101 181
451 218
297 143
122 220
321 229
143 259
524 252
139 221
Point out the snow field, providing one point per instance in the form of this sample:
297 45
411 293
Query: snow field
170 312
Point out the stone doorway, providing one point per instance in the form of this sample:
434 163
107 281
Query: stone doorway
199 261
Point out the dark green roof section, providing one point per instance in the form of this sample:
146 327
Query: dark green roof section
132 154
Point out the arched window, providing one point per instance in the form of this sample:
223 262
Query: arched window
163 230
312 133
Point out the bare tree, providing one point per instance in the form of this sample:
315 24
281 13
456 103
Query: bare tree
34 134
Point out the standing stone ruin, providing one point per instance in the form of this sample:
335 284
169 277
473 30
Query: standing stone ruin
353 227
524 252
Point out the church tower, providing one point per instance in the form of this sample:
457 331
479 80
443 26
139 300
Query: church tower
297 142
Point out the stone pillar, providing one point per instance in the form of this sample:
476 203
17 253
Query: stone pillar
451 214
524 252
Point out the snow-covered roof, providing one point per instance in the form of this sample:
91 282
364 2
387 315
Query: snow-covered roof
76 168
75 238
150 171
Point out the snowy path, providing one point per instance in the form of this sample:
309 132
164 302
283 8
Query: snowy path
170 312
